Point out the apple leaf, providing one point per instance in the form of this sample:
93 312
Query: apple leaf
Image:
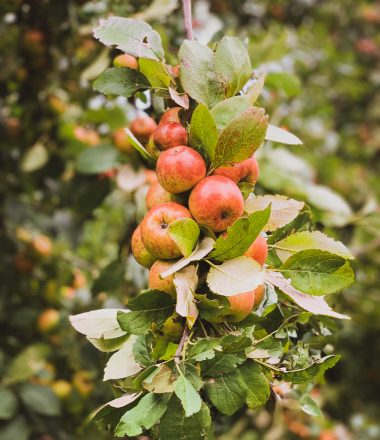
228 109
203 132
240 236
232 64
155 72
277 134
221 363
120 81
122 364
227 393
185 233
124 400
150 306
317 272
197 73
160 381
97 159
241 137
311 372
309 406
182 99
241 274
145 414
136 144
204 349
300 241
98 324
313 304
255 88
203 248
186 393
257 385
283 210
186 281
133 37
108 345
8 404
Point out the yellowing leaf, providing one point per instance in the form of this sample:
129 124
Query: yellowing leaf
160 381
122 364
186 282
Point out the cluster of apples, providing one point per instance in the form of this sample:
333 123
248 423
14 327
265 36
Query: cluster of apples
184 190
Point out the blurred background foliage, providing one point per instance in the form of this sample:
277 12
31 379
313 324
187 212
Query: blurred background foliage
72 190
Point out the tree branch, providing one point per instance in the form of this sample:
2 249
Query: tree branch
188 19
185 335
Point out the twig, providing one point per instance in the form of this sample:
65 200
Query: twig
188 19
178 353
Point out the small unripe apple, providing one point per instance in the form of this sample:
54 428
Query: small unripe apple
157 195
258 250
154 229
48 320
142 127
61 388
216 202
171 115
83 381
125 60
179 169
169 135
122 142
163 284
173 329
139 251
246 171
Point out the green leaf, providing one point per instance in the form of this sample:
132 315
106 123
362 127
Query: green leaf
141 351
203 349
257 385
227 393
188 396
108 345
150 306
310 240
241 137
155 72
269 348
145 414
35 158
136 144
40 399
18 428
220 364
197 73
276 134
318 272
254 90
192 374
240 236
241 274
134 37
174 424
160 381
185 233
232 64
122 364
120 81
283 81
203 132
301 222
213 308
313 371
309 406
111 277
8 404
235 343
96 160
228 109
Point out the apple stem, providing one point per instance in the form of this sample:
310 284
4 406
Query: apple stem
178 353
188 19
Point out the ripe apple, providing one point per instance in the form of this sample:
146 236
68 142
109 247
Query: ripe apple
139 251
142 127
154 229
259 295
246 171
169 135
241 305
179 169
150 176
122 142
216 202
171 115
157 195
48 320
61 388
258 250
125 60
163 284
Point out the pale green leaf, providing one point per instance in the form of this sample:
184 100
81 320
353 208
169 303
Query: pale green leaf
120 81
228 109
155 72
185 233
311 372
203 132
97 159
122 364
98 324
136 144
257 385
276 134
309 406
188 396
35 158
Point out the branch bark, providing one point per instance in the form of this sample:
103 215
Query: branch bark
188 19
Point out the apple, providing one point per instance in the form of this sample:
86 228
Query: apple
61 388
258 250
125 60
42 245
169 135
259 295
83 382
154 229
142 127
157 195
48 320
86 136
171 115
216 202
150 176
163 284
122 142
179 169
241 305
139 251
174 70
246 171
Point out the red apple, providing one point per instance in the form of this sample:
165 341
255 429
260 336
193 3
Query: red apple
259 295
163 284
125 60
142 127
122 141
246 171
169 135
171 115
258 250
174 70
216 202
241 305
150 176
139 251
179 169
157 195
154 229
